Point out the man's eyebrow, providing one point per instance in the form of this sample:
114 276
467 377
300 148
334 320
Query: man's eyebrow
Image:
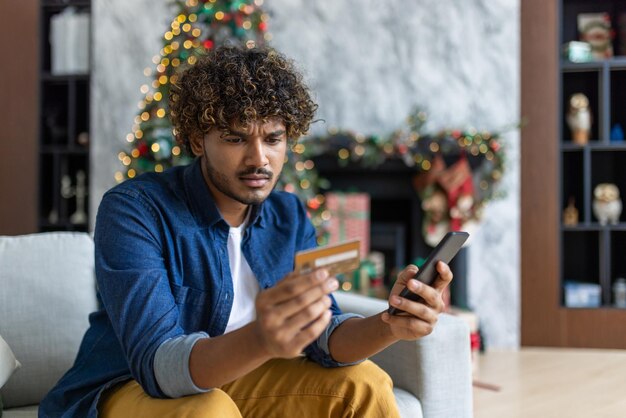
245 134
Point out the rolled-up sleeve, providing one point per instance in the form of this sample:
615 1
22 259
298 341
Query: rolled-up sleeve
171 366
319 352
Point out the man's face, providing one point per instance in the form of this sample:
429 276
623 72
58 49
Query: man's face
243 165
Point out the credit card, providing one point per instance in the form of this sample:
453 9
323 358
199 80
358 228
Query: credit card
337 258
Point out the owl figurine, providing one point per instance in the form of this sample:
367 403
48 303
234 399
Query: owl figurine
579 118
607 205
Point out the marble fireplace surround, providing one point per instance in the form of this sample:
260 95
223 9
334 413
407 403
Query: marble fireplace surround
368 63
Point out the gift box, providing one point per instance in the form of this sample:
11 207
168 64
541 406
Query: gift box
350 219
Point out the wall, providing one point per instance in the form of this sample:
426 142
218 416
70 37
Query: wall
368 66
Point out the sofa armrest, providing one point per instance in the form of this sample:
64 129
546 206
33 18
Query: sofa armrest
436 368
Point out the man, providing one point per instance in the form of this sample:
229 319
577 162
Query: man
202 315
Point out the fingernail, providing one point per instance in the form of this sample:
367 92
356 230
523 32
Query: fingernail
415 284
321 274
332 284
396 300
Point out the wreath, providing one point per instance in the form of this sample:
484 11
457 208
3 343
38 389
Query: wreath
456 171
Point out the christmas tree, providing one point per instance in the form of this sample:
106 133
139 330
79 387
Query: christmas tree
197 27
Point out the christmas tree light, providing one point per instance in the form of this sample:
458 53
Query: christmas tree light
198 27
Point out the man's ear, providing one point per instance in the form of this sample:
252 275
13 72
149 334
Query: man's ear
196 142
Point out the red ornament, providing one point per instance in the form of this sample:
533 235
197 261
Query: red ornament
208 44
142 148
262 26
456 134
313 204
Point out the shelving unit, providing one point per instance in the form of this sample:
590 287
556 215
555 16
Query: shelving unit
63 133
590 252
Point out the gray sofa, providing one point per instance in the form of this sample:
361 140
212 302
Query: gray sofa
48 289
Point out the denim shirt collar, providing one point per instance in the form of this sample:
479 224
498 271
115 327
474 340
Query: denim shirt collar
205 210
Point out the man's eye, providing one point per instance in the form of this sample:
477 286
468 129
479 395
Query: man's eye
233 140
274 140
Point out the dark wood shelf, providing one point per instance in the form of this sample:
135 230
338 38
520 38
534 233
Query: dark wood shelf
47 76
613 64
594 226
63 149
62 4
589 251
63 117
594 146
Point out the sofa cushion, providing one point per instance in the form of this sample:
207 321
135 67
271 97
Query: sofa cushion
48 291
24 412
408 405
8 362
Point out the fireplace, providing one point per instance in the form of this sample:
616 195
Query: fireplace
396 214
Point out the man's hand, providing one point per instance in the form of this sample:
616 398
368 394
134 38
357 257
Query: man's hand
292 314
419 318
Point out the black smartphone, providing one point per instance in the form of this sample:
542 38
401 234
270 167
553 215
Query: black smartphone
445 251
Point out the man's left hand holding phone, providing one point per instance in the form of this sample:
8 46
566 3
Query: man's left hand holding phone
418 318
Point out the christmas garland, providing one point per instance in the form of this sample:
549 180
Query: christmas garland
456 171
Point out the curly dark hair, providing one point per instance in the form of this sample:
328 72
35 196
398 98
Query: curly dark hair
233 85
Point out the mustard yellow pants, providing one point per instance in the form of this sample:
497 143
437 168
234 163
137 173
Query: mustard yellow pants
293 388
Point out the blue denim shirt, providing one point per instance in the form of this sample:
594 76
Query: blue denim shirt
162 271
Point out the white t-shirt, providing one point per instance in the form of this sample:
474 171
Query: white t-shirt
245 285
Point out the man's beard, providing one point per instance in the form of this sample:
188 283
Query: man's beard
223 184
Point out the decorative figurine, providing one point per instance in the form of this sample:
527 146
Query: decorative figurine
80 192
617 133
607 205
579 118
570 214
596 29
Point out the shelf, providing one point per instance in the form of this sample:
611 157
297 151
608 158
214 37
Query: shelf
613 63
62 4
61 149
593 226
63 123
594 145
47 76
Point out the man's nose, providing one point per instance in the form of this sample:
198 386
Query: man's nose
255 154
